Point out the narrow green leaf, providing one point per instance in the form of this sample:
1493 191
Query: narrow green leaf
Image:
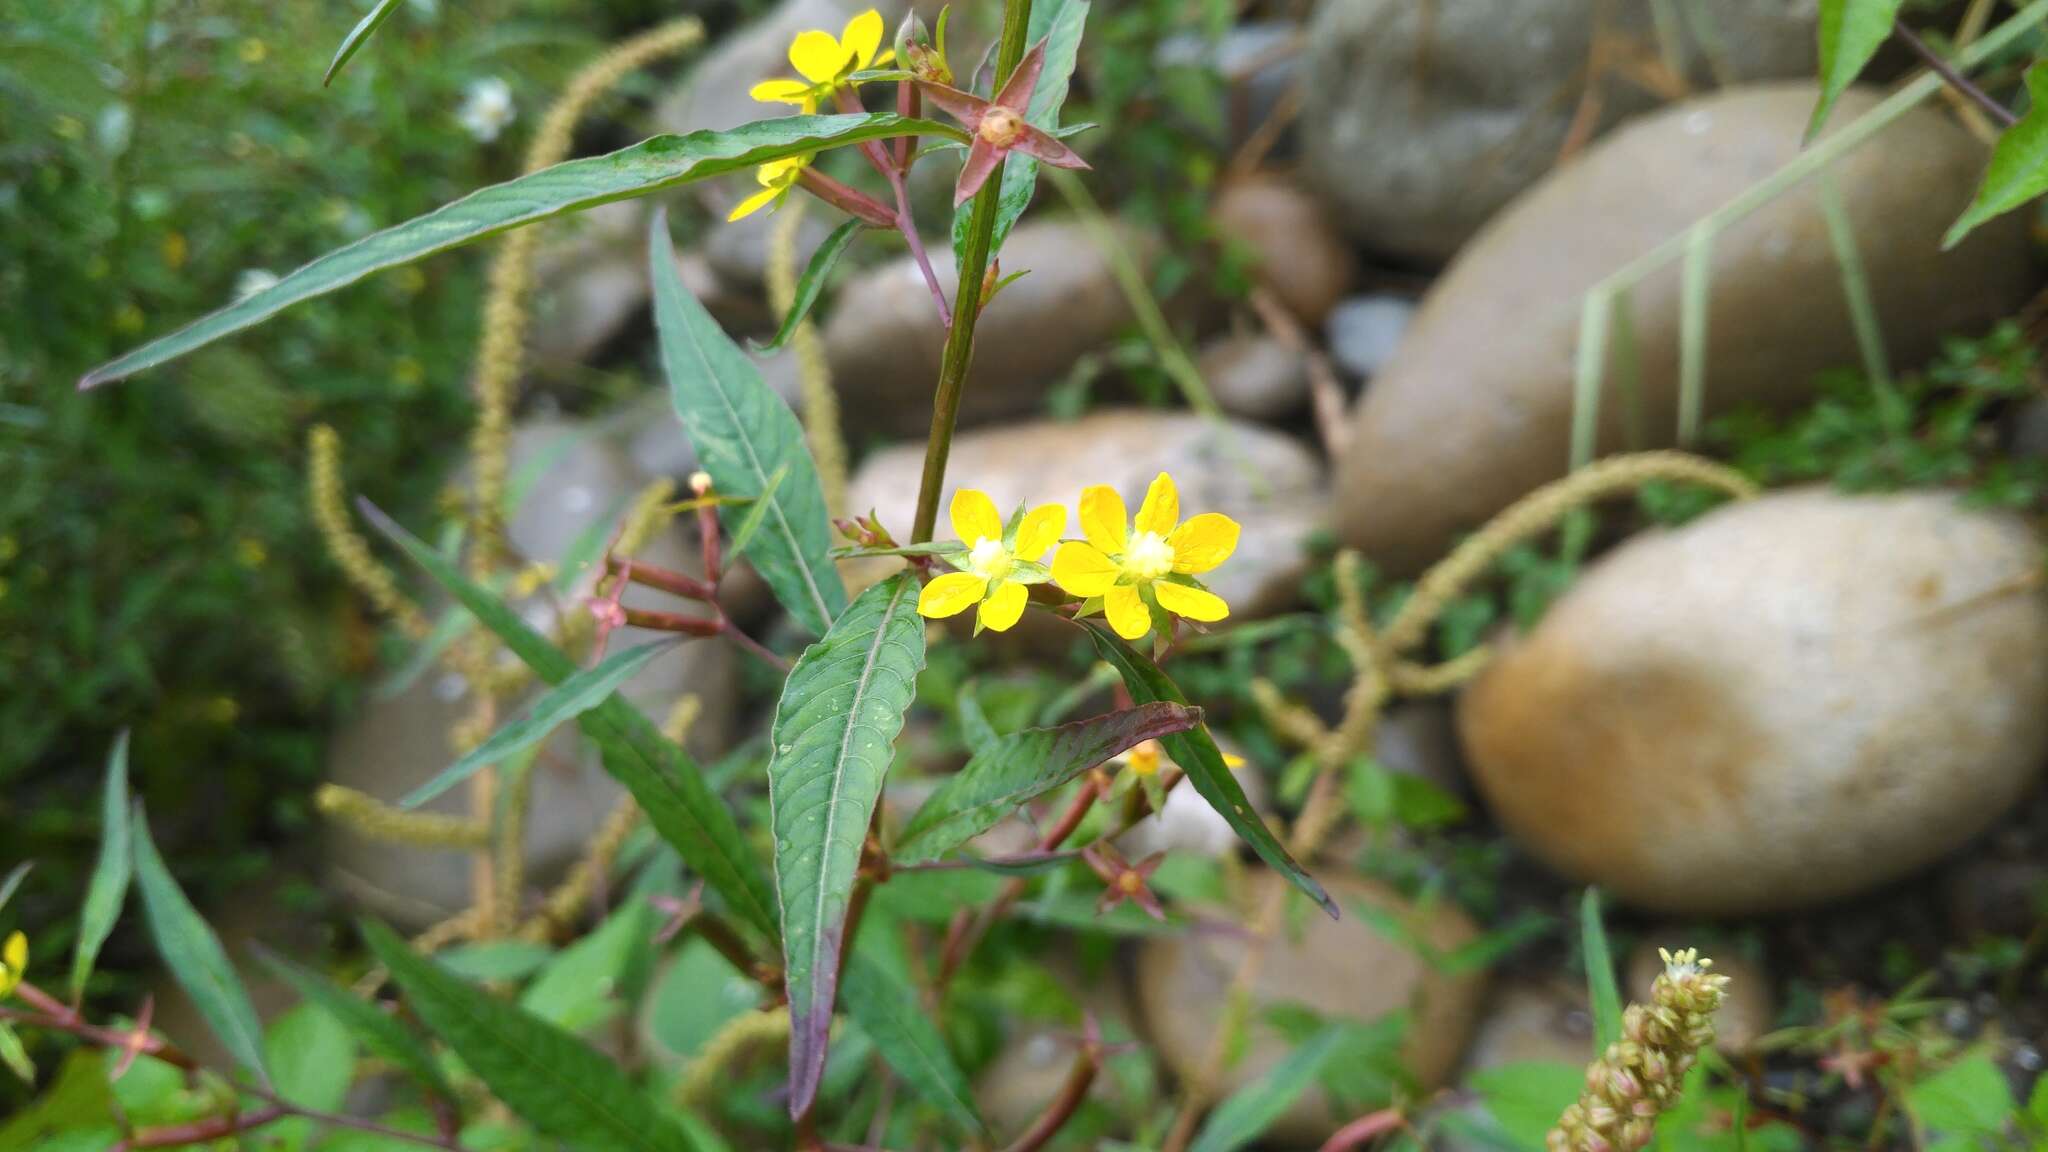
1600 985
743 432
550 1078
2018 171
380 1032
834 732
974 726
1243 1117
109 887
1015 768
649 166
359 35
194 955
15 1055
812 284
1851 32
1059 23
14 878
494 960
887 1009
1196 753
663 778
757 510
564 702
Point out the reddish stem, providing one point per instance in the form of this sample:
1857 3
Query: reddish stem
202 1131
1367 1127
1063 1107
661 579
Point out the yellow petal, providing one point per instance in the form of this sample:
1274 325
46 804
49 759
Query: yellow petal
15 954
1203 542
1127 613
1104 520
1193 603
1003 606
1161 509
975 517
755 203
862 36
1083 570
782 91
817 56
1041 527
949 595
782 173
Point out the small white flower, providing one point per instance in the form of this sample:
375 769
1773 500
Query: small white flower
254 280
487 108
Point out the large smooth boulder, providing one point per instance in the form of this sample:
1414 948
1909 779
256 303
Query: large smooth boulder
1475 409
884 339
1420 121
1269 483
1787 701
1341 969
399 741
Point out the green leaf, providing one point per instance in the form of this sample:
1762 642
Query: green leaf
2018 171
195 957
812 283
1196 753
15 1055
358 35
577 985
379 1031
757 510
1600 985
1526 1098
1022 765
1851 32
564 702
650 166
550 1078
312 1055
664 780
1969 1098
886 1008
1059 23
975 728
109 887
743 432
834 732
1239 1120
496 960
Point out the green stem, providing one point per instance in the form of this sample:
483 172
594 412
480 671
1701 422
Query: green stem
959 352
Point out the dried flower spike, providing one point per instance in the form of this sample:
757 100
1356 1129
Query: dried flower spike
1641 1074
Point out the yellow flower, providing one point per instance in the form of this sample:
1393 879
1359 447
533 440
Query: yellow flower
1154 566
825 62
776 178
13 963
996 561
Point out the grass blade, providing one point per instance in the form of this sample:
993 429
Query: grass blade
193 953
1241 1119
1600 985
108 889
358 36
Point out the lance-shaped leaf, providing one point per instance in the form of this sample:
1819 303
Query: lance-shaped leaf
194 955
649 166
1059 23
559 705
887 1009
1015 768
550 1078
109 887
358 36
379 1031
744 434
834 732
1245 1116
2019 164
664 780
1850 33
1196 753
812 283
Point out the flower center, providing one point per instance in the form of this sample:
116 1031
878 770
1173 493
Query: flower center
1000 126
1149 557
989 559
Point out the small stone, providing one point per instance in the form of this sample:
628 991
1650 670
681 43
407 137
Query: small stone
1342 969
1364 331
1256 377
1296 252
